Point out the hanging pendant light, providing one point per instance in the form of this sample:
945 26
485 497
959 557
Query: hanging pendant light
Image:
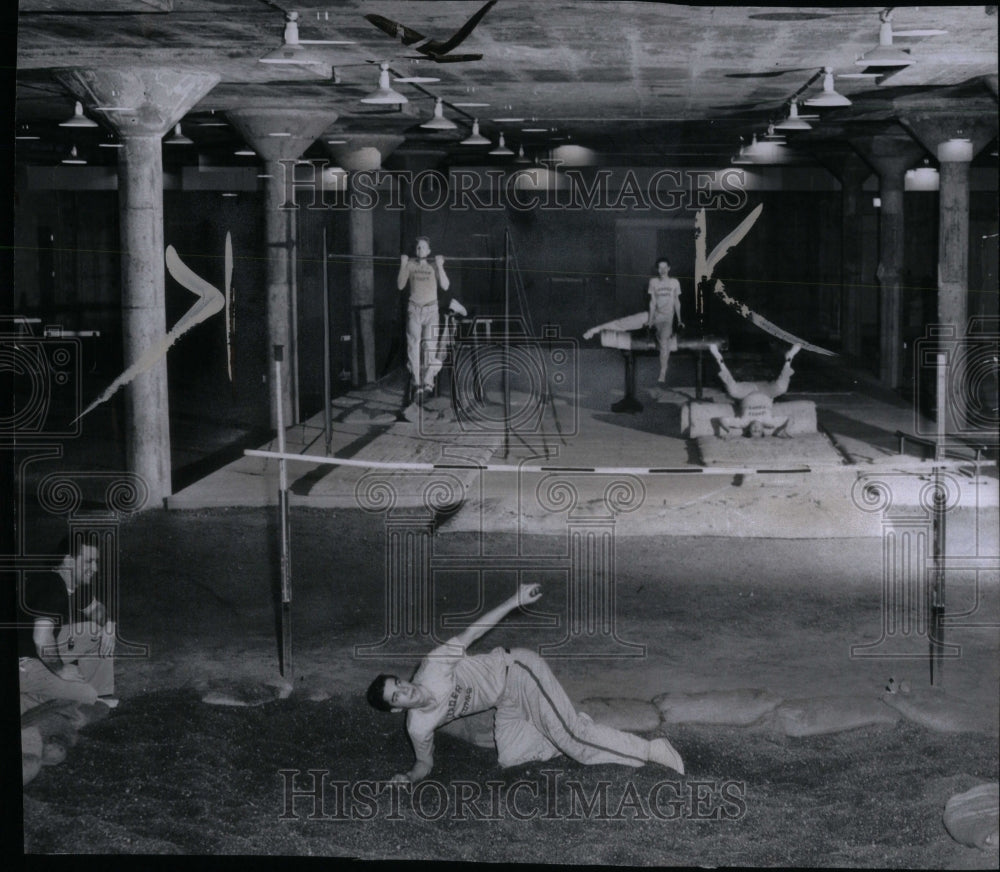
829 98
178 138
885 54
384 95
475 138
521 159
793 122
297 51
501 150
78 119
439 122
741 159
73 158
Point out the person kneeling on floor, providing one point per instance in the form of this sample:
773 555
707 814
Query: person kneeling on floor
66 638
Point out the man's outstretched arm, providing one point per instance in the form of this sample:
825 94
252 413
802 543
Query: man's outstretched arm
527 593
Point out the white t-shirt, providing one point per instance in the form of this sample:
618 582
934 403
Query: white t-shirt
423 281
459 684
664 293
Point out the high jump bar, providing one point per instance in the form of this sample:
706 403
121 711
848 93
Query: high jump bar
388 257
598 470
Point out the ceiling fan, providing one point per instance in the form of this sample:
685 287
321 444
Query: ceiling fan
438 51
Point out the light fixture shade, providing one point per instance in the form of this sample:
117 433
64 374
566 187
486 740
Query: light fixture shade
177 138
793 122
754 150
925 178
291 51
771 136
245 152
384 95
439 122
73 157
521 159
475 138
501 149
885 54
78 119
829 98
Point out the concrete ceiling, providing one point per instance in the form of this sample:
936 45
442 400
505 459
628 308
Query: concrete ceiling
642 83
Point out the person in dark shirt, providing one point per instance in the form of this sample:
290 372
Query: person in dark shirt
66 637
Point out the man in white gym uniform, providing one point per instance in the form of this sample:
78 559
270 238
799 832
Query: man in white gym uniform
534 720
424 277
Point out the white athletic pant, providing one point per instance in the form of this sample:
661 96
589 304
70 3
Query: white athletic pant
421 333
665 342
740 389
535 720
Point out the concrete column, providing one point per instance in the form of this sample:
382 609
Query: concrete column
851 171
153 100
954 140
852 179
362 153
954 157
280 136
890 156
140 204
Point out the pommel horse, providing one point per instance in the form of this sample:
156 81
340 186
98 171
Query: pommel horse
620 334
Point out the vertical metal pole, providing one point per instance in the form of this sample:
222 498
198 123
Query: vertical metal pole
506 341
941 387
286 568
326 345
937 586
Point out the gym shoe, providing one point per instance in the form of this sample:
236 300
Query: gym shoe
662 752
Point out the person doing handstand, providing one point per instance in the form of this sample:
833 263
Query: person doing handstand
756 400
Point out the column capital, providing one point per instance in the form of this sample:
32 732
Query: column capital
846 164
890 155
138 101
363 151
279 132
933 129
